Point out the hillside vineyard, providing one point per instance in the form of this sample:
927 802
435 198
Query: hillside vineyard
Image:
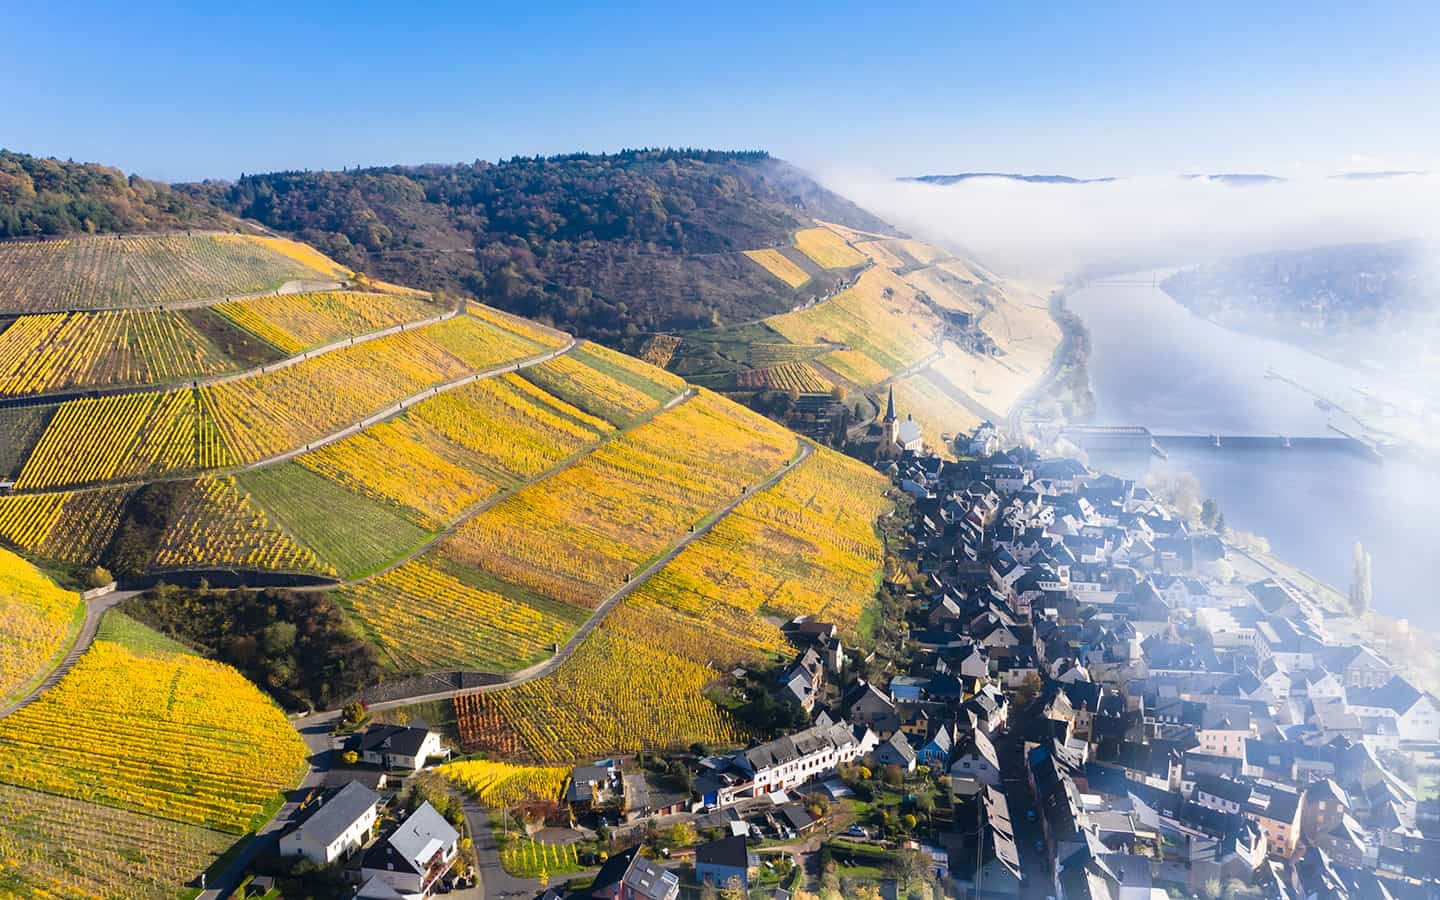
475 491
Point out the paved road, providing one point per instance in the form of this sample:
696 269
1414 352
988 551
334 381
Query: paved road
393 409
546 667
494 499
496 883
318 740
94 610
287 362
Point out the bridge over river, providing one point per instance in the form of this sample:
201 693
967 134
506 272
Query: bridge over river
1140 439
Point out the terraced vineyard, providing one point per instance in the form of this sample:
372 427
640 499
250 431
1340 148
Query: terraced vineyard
660 349
66 527
512 583
248 419
426 618
548 338
613 694
798 377
806 545
590 380
149 270
499 785
506 427
779 265
828 249
581 533
392 466
883 326
293 323
280 410
110 733
36 620
53 352
218 526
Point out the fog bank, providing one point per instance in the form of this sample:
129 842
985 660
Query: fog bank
1054 230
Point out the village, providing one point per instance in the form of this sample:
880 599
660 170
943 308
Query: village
1085 696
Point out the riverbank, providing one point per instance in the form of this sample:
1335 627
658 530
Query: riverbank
1063 394
1154 363
1413 652
1390 398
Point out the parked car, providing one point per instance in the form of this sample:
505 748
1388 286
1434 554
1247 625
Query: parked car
857 831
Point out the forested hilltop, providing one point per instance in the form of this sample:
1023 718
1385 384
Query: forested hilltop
602 245
48 198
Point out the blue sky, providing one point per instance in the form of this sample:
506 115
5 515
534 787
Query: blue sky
174 93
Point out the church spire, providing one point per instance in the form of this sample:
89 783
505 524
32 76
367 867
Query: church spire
890 406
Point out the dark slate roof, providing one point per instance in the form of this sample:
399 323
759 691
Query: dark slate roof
339 812
1225 717
1084 695
1225 788
403 740
795 816
1283 804
1397 694
731 852
792 747
645 879
640 874
612 873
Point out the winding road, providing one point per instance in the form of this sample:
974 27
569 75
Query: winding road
544 668
112 390
315 728
393 409
94 611
500 496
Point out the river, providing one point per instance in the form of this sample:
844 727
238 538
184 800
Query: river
1155 363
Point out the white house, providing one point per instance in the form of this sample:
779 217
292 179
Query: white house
1415 712
984 441
790 761
339 827
411 859
896 752
398 746
975 758
1226 633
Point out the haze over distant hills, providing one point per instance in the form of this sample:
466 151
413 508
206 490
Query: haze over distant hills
1238 178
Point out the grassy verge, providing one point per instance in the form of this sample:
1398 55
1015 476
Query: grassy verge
139 639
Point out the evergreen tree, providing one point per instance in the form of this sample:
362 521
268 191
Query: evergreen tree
1361 591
